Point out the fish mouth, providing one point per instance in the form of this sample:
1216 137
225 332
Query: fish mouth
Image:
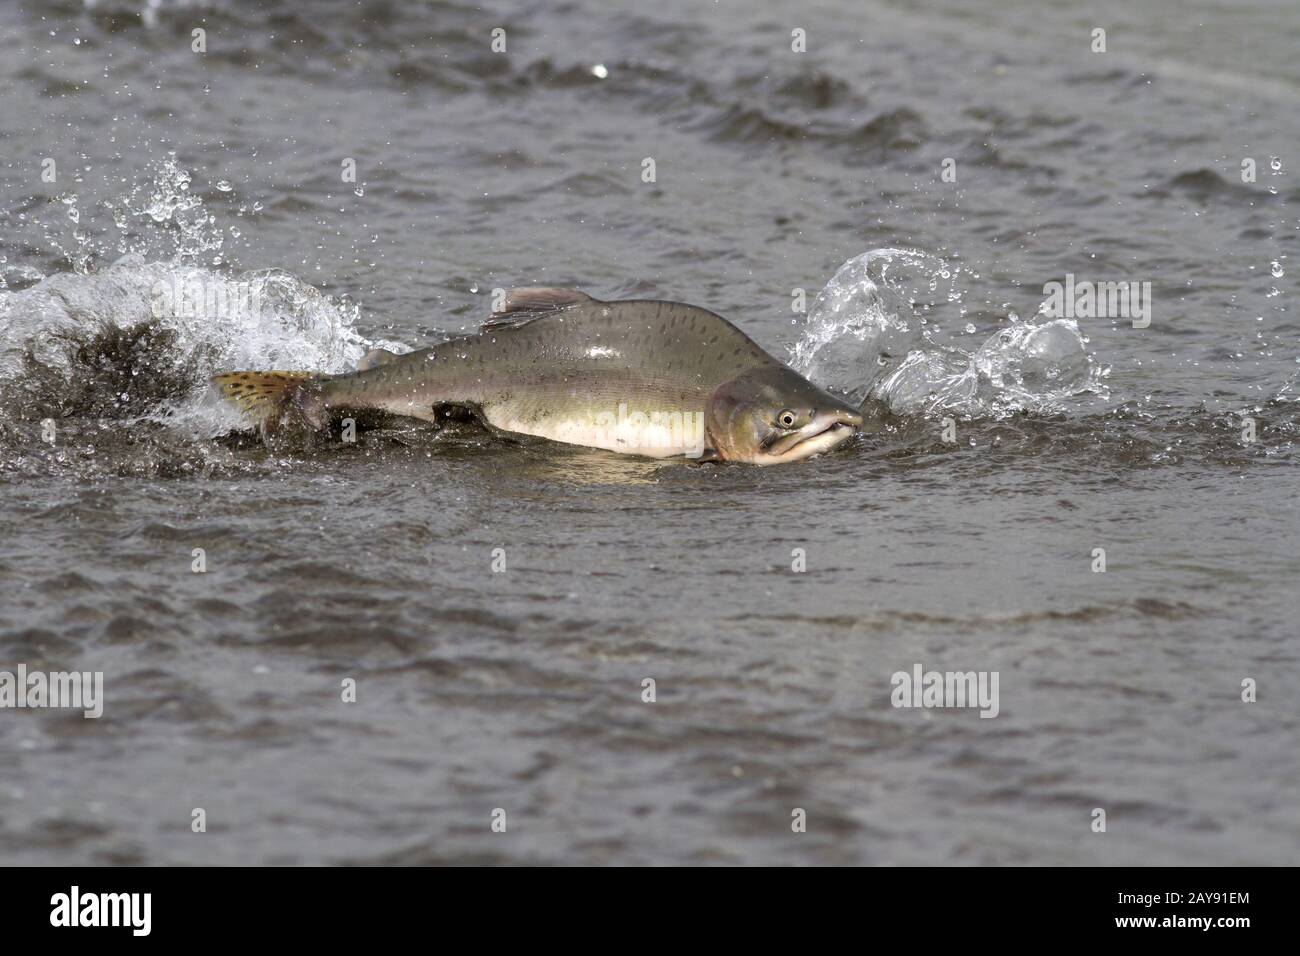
819 435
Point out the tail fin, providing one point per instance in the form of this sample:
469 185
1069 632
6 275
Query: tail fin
273 399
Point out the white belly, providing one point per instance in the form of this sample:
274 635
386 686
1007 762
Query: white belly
654 435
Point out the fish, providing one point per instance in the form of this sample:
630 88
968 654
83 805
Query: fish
639 377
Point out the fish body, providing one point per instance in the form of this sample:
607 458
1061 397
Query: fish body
660 379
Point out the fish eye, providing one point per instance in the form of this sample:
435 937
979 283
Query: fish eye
786 419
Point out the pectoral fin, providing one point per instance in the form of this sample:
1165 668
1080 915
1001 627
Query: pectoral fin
707 454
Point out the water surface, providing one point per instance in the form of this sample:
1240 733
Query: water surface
522 689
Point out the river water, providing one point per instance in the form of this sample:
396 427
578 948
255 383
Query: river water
884 210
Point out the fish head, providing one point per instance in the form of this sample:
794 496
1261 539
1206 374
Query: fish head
774 415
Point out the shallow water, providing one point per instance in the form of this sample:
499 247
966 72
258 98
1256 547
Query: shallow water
521 689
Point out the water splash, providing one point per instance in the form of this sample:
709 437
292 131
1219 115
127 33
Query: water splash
162 218
856 325
881 329
201 321
137 340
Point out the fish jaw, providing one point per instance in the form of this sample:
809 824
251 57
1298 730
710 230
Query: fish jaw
826 432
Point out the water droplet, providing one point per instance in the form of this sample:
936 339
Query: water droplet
970 327
224 186
360 191
1275 164
474 288
1276 268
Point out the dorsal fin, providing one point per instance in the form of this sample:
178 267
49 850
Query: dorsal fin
532 302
